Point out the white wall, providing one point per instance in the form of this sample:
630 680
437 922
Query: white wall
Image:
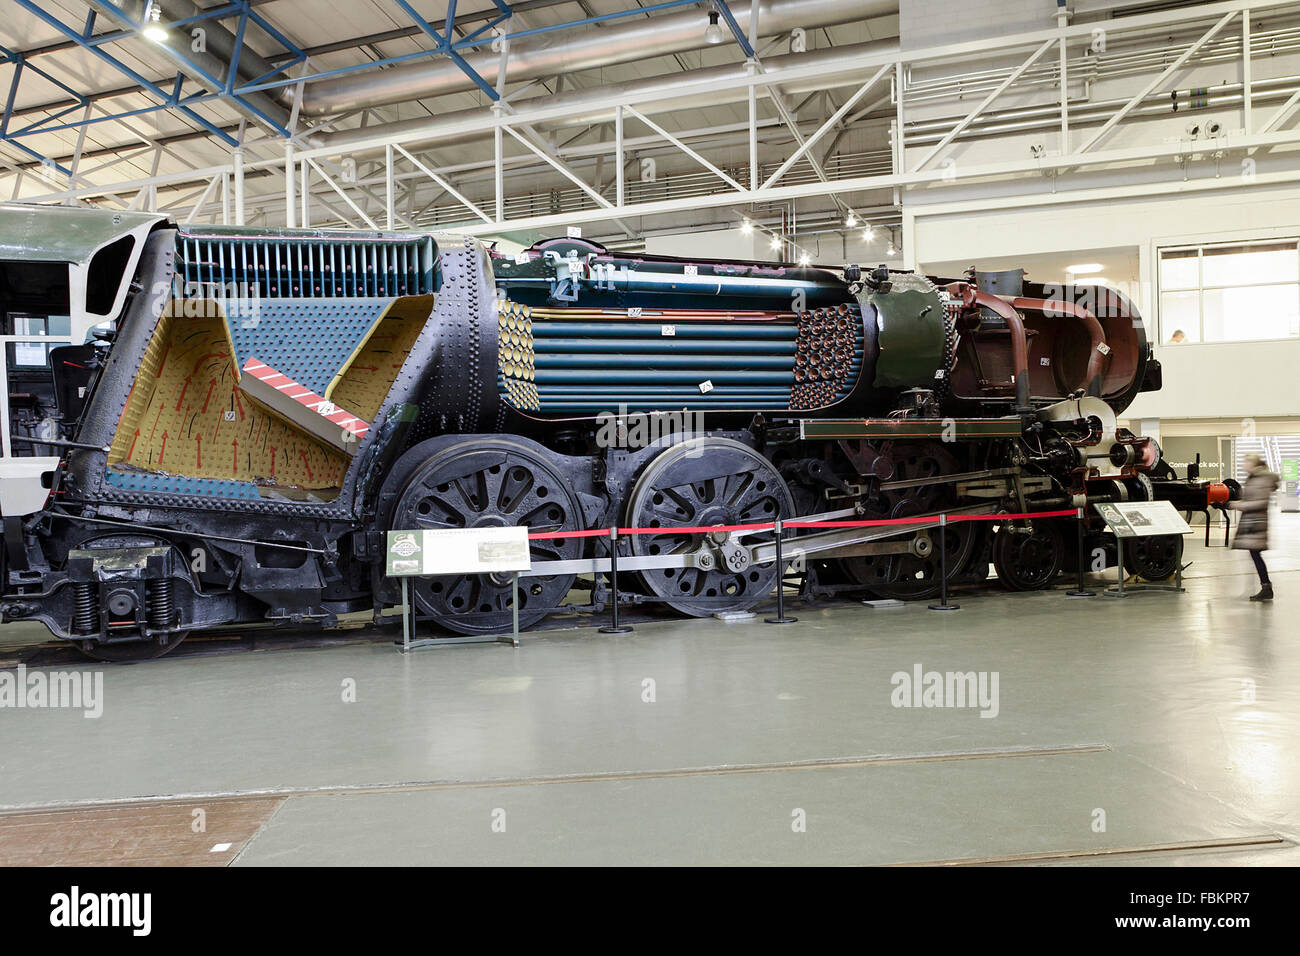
1205 381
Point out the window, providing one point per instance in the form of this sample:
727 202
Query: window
35 354
1230 292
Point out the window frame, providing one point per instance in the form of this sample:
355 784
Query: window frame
1201 288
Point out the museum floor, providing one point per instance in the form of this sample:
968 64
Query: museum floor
1158 729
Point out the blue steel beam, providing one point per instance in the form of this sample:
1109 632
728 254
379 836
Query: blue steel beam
230 90
739 34
72 33
446 47
223 85
470 41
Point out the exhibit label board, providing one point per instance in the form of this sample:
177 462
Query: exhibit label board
458 551
1140 519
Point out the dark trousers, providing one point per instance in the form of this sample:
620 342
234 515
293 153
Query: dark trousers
1258 558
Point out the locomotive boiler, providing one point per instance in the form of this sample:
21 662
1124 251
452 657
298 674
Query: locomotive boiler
236 417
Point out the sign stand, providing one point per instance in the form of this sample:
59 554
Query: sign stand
458 550
1141 519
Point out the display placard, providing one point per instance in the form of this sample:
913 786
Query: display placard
457 551
1141 519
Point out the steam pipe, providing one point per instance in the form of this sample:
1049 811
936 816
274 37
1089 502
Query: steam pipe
1096 355
970 296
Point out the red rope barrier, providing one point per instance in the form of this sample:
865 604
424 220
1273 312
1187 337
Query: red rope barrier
769 526
917 519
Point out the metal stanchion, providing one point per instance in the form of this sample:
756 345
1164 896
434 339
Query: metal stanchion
780 584
514 609
1080 590
1118 590
408 615
943 604
613 627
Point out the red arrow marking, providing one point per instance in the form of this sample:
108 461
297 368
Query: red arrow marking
238 401
163 363
182 395
133 441
163 450
234 456
155 424
212 383
199 440
307 465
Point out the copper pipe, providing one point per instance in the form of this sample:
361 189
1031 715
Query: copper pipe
970 296
1099 350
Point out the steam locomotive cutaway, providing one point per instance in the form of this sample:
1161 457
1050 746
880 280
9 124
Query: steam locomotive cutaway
239 416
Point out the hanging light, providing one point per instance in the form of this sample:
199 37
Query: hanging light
713 33
851 221
153 26
803 259
776 242
746 227
866 233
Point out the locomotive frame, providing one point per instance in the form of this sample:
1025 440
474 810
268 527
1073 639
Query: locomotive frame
830 394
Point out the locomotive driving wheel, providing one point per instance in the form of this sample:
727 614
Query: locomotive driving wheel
491 482
1028 561
707 481
1154 558
914 575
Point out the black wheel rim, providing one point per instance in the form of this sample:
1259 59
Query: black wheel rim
912 576
1155 558
1028 561
487 483
707 481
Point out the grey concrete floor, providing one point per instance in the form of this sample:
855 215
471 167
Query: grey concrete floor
1175 716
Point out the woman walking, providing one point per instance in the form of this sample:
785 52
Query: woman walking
1252 532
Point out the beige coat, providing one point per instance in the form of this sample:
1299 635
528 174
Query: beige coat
1256 494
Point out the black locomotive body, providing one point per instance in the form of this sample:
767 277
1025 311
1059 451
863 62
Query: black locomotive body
251 412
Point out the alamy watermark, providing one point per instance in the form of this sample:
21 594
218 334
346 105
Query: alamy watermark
634 430
76 908
71 690
954 689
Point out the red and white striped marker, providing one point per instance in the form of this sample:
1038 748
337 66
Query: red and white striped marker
305 397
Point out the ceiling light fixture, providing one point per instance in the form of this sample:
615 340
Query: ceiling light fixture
1084 267
713 33
851 221
776 242
866 233
746 227
153 26
803 259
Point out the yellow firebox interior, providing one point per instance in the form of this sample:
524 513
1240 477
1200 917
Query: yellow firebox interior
186 414
367 377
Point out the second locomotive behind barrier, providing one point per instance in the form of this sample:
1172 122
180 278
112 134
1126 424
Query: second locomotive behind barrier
240 416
